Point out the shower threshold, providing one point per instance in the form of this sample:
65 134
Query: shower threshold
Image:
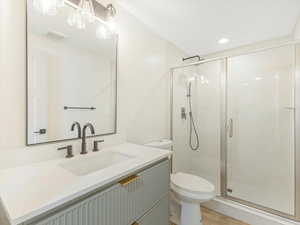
246 213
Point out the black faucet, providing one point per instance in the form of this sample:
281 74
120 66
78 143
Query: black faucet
76 124
83 144
69 149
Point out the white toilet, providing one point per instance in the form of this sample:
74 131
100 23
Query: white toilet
187 192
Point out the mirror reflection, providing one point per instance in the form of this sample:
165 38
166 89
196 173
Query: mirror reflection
71 76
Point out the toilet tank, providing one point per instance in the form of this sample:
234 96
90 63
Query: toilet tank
162 144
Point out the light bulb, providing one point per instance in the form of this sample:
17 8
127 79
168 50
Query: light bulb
111 12
86 8
76 19
72 19
112 26
83 14
102 32
80 24
43 6
48 7
60 3
223 41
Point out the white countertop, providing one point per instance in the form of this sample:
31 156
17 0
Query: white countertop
28 191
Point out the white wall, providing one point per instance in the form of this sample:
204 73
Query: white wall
12 70
144 80
297 30
144 61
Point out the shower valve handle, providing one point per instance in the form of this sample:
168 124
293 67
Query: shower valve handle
230 128
183 113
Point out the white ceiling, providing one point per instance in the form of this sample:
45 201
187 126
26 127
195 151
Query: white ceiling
196 25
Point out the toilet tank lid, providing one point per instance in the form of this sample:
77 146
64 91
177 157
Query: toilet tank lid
163 143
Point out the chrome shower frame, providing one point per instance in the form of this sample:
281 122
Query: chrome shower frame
224 133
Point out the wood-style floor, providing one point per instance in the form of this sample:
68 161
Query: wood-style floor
213 218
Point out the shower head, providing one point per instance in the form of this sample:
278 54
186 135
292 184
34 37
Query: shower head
191 79
189 90
184 80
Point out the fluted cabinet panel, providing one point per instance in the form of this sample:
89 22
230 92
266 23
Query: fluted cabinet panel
119 204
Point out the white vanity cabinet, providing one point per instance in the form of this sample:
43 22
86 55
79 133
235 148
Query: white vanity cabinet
141 198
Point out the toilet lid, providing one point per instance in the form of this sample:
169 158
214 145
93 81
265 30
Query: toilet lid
191 183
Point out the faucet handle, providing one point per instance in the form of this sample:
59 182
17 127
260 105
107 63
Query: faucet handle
96 149
69 149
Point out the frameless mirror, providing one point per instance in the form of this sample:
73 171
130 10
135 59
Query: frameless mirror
71 76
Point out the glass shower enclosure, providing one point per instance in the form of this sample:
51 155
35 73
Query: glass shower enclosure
244 109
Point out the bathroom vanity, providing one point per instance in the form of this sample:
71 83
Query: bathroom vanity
121 185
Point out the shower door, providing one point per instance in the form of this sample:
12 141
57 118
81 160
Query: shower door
205 96
260 129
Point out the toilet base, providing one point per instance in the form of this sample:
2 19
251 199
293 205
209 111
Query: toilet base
190 214
184 212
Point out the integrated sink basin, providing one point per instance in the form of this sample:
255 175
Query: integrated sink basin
93 163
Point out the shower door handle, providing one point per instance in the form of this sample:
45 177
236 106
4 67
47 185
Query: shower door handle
230 128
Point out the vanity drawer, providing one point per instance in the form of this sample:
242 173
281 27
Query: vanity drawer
144 192
159 215
121 204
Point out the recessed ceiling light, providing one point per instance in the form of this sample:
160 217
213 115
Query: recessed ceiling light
223 41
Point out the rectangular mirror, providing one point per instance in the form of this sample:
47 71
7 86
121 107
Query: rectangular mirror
71 76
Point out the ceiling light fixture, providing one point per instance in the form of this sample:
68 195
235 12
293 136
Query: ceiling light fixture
108 29
223 41
48 7
102 32
84 14
110 15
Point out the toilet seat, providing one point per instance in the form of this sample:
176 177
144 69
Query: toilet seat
192 183
191 187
